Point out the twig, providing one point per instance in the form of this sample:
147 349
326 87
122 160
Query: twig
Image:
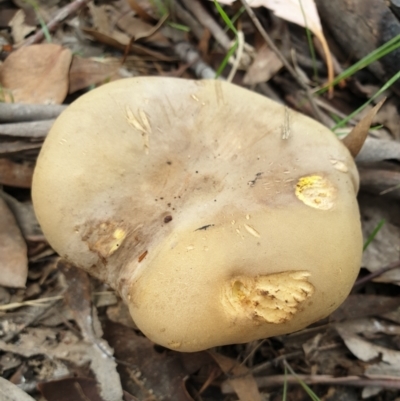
380 182
187 18
8 149
295 354
196 8
33 313
253 351
41 302
62 14
19 112
32 129
187 53
371 276
354 381
317 113
239 54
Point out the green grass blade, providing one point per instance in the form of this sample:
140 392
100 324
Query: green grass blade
376 127
307 389
179 27
310 42
42 22
159 5
387 85
225 17
375 55
373 234
238 14
226 59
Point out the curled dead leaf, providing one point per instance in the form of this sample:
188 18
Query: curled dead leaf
36 74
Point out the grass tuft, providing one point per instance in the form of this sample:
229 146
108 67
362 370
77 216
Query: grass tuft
374 233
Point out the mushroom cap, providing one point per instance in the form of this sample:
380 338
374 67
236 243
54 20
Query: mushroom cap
219 215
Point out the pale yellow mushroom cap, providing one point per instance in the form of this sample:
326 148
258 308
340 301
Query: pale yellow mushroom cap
219 215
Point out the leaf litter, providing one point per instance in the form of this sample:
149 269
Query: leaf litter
67 337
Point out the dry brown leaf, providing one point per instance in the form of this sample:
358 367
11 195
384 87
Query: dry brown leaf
369 327
150 374
120 314
376 150
13 250
244 384
19 28
65 345
25 217
61 344
85 72
101 22
381 181
300 12
355 140
385 248
382 361
10 392
37 74
265 65
74 389
78 298
138 49
140 8
100 19
70 389
389 117
15 174
363 305
6 15
138 29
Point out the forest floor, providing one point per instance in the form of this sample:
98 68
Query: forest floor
65 336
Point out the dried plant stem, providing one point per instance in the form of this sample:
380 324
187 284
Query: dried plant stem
196 8
183 15
62 14
316 111
239 54
188 54
354 381
371 276
31 129
18 112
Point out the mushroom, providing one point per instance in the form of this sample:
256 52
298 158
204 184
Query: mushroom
219 215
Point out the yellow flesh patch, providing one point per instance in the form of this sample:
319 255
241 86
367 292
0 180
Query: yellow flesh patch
118 237
274 298
104 238
316 191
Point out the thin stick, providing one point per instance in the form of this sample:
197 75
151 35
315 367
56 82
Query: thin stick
354 381
206 20
239 54
188 54
317 113
371 276
62 14
18 112
31 129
